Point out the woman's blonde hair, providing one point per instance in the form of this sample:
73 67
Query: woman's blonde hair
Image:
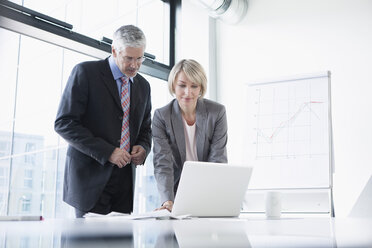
193 71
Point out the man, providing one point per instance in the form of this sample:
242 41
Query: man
105 116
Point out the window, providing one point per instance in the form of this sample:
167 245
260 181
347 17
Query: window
2 202
25 204
4 148
27 179
24 242
146 193
33 73
95 19
2 177
30 157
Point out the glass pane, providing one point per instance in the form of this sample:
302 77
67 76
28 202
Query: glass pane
153 19
8 76
33 75
146 195
38 90
32 155
95 19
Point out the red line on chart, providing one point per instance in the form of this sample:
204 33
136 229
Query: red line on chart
270 138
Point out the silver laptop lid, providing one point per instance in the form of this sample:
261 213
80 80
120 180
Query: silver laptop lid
211 189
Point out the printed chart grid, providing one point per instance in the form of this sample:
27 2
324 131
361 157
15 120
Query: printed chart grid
288 131
290 119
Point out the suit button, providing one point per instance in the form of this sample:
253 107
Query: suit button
120 117
119 141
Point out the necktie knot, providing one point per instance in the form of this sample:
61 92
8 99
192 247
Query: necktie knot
124 81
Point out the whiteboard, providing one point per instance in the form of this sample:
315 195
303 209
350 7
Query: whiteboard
289 133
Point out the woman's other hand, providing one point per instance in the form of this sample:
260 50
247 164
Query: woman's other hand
168 205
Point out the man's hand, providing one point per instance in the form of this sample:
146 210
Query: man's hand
120 157
138 155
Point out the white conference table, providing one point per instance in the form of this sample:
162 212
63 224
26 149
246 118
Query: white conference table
246 231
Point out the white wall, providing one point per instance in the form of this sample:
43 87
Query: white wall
193 40
290 37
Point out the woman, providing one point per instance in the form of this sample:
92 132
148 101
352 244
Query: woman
188 128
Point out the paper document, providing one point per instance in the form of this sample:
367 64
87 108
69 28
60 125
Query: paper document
160 214
112 214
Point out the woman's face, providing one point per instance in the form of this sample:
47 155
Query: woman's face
187 92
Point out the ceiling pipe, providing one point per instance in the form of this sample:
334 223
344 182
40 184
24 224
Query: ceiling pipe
229 11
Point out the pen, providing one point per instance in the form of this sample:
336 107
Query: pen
21 218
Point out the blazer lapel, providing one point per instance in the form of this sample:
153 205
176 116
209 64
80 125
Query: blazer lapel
177 127
201 117
110 82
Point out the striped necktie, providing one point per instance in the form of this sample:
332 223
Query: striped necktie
125 104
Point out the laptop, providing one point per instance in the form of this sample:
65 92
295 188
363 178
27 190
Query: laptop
211 189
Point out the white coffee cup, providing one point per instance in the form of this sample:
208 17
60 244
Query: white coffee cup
273 204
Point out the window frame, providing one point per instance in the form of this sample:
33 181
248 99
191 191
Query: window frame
28 22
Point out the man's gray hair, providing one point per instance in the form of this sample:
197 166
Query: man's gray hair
128 36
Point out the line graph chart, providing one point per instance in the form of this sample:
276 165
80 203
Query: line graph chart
290 120
288 135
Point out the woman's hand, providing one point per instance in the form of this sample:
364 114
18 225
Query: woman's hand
168 205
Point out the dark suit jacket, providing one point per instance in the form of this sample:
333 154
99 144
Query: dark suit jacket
169 142
89 118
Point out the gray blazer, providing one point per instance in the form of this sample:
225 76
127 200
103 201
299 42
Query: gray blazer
169 142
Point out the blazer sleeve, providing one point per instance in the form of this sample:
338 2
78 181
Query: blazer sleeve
163 159
218 151
70 113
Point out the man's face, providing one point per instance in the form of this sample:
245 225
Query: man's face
129 60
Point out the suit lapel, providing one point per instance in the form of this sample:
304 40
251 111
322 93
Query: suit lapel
110 82
201 116
177 127
135 97
135 100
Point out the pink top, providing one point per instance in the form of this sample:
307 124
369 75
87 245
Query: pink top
190 139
